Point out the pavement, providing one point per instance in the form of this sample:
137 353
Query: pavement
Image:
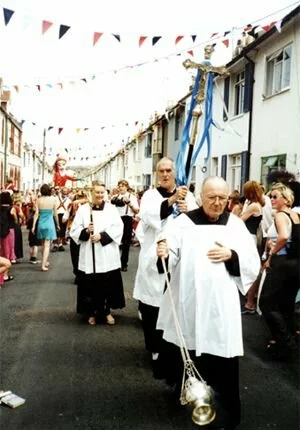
74 376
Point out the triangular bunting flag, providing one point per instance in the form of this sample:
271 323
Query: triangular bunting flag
193 37
62 30
60 85
268 27
96 37
60 130
7 15
225 33
117 36
226 42
16 88
38 87
85 129
142 40
78 130
155 39
45 26
50 128
178 39
83 79
213 35
278 25
191 52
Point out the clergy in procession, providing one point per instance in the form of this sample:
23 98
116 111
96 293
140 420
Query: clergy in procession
211 257
98 229
156 208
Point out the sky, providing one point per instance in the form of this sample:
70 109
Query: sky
112 88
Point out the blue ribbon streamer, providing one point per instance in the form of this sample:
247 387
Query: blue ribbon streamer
180 162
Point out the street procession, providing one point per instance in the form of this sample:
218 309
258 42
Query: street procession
150 215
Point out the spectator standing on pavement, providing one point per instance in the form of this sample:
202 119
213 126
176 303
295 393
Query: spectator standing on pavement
127 205
156 209
211 257
277 299
8 218
45 214
98 229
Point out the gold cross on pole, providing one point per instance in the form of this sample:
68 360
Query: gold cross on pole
205 68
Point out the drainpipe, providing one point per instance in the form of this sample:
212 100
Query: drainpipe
250 119
5 176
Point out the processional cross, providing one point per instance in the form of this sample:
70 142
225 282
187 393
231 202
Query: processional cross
205 68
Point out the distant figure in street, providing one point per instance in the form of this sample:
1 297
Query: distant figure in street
45 214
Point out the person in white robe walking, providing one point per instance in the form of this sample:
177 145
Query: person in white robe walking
156 209
98 229
211 257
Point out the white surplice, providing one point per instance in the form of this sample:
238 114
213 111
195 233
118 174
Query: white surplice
149 284
206 296
108 220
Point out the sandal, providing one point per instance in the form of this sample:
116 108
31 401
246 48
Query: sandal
9 278
110 319
92 321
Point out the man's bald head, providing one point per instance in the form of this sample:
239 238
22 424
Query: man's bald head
214 196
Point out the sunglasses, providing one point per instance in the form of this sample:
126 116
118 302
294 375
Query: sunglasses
272 196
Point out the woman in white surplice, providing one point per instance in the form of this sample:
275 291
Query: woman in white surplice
98 229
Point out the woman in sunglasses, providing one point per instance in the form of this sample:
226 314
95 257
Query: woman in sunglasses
280 288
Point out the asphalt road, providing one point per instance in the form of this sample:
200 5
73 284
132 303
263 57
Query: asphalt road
74 376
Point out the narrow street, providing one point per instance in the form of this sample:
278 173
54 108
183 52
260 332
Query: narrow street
74 376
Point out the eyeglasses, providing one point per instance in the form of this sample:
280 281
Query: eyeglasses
272 196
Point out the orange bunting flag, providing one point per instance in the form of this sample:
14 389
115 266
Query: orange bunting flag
60 130
178 39
226 42
96 37
142 40
45 26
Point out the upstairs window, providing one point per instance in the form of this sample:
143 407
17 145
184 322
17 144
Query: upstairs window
239 93
279 71
148 145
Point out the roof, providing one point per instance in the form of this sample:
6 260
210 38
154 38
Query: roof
289 17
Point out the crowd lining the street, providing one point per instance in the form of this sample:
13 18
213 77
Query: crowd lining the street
216 249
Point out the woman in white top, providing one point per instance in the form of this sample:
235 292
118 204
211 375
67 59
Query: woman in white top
279 291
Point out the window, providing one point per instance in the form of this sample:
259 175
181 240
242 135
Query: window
234 171
148 145
178 121
279 71
271 164
239 93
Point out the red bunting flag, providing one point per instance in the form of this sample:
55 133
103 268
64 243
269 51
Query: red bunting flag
96 37
7 15
178 39
142 40
45 26
62 30
268 27
60 130
191 52
226 42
